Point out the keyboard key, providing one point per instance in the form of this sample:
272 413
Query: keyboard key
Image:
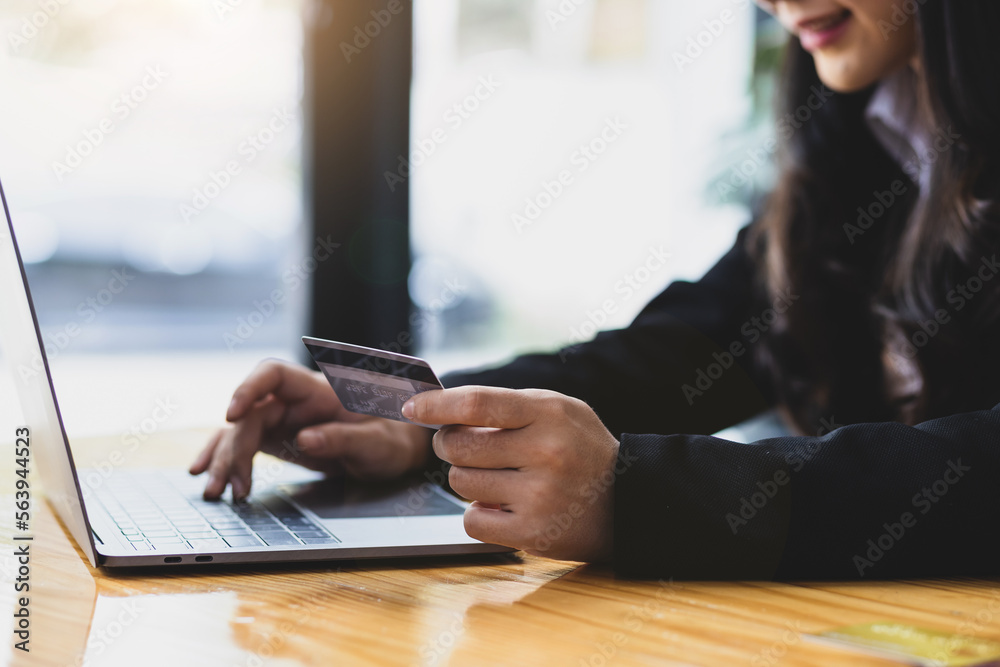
272 531
159 533
174 517
206 544
246 509
279 539
233 532
150 525
170 545
309 533
280 507
243 541
185 526
229 525
198 534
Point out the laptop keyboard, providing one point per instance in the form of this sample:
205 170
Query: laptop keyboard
154 514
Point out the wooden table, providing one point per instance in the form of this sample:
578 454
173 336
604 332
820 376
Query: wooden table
510 609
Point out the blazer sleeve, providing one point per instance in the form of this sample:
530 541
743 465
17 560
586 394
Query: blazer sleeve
673 370
875 500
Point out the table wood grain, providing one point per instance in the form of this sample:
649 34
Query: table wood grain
511 609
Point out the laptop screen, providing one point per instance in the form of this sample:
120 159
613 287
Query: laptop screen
24 352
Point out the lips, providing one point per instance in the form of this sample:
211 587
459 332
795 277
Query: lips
821 31
824 23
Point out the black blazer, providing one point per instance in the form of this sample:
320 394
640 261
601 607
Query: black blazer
872 500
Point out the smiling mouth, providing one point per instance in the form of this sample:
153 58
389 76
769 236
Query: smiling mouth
824 31
825 23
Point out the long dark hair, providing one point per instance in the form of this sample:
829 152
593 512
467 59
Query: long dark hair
897 278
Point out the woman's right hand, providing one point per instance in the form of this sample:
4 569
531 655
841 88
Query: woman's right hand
292 412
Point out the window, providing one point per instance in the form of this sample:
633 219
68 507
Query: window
559 150
150 150
154 144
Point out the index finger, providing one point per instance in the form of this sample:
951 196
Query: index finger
496 407
267 378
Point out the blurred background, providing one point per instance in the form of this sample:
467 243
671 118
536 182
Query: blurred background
195 184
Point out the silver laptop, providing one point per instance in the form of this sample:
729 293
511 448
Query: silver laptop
130 517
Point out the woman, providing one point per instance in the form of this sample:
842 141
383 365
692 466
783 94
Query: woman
863 303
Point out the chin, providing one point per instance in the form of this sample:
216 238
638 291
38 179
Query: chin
842 78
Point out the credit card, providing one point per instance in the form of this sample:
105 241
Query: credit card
913 645
372 382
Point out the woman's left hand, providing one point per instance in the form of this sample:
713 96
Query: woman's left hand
538 464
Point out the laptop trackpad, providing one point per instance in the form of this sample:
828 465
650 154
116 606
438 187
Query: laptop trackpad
343 498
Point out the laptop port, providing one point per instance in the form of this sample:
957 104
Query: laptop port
172 559
202 559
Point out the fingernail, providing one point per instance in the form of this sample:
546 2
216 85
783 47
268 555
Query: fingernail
309 440
209 486
408 409
238 491
232 406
